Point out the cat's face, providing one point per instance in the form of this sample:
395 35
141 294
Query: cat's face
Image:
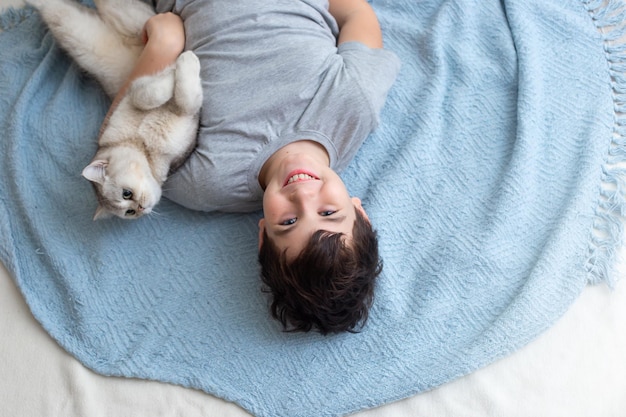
125 187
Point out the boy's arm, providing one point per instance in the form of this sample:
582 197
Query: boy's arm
164 38
357 22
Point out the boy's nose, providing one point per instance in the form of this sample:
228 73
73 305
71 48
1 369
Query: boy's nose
303 192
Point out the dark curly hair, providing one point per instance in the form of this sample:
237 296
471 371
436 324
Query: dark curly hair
329 286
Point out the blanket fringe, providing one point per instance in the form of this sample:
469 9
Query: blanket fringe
609 17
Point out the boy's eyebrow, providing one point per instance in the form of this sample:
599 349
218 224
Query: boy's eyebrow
338 219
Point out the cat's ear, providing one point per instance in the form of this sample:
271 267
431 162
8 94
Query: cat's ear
95 171
102 213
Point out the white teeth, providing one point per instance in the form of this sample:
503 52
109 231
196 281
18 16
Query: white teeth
300 177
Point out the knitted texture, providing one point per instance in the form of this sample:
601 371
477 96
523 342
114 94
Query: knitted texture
494 181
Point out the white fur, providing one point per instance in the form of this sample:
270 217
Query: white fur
154 126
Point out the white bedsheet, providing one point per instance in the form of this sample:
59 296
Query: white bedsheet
575 369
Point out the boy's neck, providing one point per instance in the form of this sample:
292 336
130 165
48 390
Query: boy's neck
308 147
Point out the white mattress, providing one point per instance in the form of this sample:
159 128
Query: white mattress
577 368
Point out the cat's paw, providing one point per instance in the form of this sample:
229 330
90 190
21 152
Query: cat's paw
188 62
188 93
152 91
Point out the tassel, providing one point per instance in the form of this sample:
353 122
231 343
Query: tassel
607 235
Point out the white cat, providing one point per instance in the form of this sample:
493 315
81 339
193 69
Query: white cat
154 127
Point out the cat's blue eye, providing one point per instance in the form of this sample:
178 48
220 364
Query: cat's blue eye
328 213
130 212
127 194
289 222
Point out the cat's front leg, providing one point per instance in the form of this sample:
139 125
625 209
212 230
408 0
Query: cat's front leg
152 91
188 89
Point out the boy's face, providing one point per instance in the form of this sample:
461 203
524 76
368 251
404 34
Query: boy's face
304 196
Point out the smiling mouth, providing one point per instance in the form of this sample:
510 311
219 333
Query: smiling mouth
299 177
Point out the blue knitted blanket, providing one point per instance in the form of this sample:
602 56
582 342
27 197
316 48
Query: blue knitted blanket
492 179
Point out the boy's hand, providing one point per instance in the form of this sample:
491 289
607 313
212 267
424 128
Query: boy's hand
165 30
357 22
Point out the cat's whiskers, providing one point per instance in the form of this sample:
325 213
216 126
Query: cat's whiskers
154 213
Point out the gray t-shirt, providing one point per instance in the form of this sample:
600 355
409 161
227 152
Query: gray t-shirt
271 75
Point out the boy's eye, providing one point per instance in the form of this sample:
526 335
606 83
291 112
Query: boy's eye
127 194
328 213
289 222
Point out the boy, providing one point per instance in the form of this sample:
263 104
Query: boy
292 89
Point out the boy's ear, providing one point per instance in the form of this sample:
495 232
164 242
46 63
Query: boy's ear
358 206
261 230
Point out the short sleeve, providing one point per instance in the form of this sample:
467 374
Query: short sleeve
375 70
